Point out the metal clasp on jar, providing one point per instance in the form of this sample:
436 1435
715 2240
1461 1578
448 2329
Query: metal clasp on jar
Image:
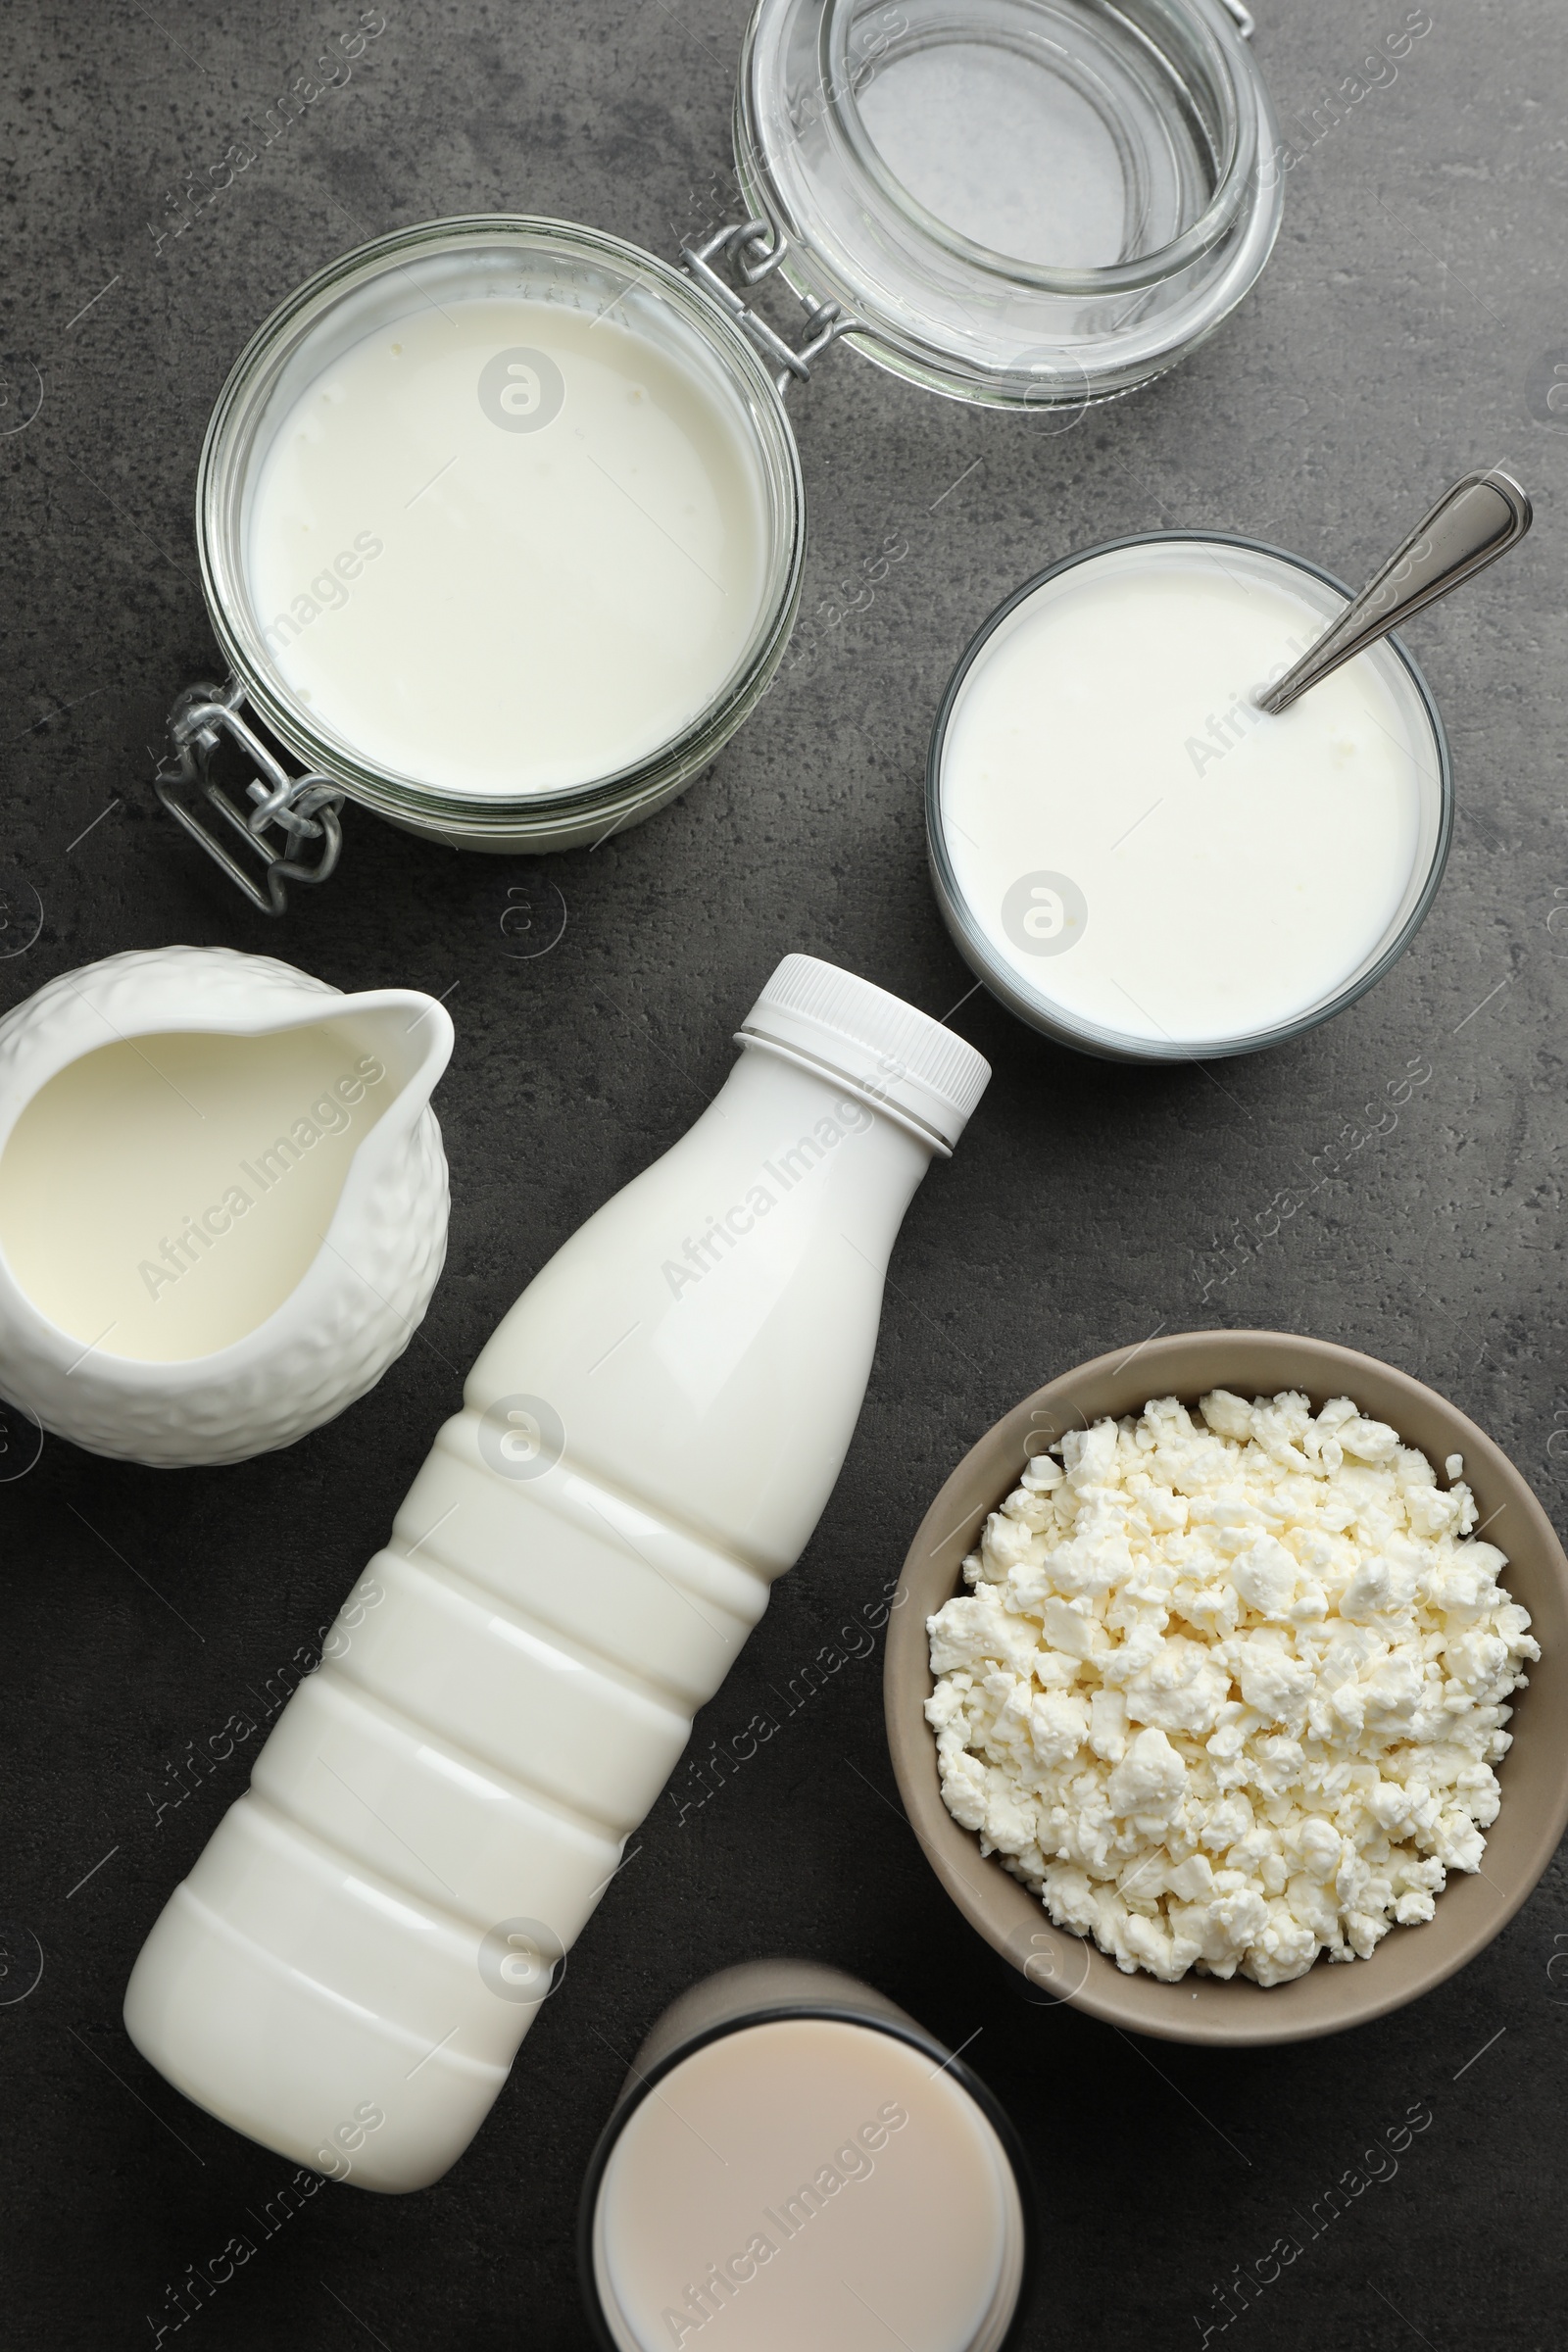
753 250
304 809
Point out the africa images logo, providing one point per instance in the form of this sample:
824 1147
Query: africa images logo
521 390
1045 914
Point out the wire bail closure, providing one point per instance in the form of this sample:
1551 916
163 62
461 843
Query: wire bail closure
305 809
753 250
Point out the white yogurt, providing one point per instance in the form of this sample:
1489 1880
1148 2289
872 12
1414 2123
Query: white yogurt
1152 857
504 545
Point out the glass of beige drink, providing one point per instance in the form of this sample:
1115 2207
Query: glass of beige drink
794 2161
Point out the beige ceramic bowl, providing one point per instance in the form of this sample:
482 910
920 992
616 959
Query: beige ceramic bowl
1534 1775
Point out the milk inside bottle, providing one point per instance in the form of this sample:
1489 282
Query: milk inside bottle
646 1443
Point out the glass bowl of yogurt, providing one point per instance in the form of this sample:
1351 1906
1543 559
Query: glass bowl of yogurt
1135 858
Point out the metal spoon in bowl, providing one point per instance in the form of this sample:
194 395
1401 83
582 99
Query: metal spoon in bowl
1479 519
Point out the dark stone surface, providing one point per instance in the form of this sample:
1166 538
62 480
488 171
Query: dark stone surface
1407 328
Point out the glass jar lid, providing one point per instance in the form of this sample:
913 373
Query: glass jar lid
1025 203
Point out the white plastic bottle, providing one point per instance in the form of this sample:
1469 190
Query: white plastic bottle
645 1444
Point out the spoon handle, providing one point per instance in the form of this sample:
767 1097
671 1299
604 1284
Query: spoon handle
1479 519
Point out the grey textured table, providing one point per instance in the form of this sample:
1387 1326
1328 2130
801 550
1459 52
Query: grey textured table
1407 328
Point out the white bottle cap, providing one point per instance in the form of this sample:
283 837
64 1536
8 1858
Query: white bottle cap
830 1020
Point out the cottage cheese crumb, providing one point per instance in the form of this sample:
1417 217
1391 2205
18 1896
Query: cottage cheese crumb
1227 1689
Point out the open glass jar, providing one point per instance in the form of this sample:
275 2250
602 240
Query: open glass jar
501 520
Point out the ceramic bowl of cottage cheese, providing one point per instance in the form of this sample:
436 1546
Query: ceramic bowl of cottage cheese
1286 1637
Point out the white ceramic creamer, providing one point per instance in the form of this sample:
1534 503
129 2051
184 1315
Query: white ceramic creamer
645 1444
223 1200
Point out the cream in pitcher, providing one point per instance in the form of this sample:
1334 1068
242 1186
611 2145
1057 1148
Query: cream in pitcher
223 1200
646 1443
